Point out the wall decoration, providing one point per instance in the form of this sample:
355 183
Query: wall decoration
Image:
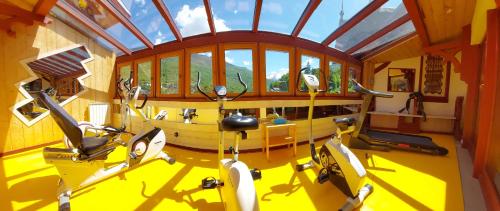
62 71
401 80
434 78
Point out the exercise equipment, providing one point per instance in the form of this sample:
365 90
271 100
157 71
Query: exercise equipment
384 141
235 179
338 164
188 114
418 99
81 163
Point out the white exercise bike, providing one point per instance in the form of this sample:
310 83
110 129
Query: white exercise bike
81 163
338 164
235 179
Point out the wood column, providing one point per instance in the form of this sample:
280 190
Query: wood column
487 108
471 70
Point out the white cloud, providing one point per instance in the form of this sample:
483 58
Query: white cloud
229 60
246 63
209 54
140 2
277 74
194 21
273 7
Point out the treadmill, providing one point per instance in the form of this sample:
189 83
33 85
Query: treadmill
385 141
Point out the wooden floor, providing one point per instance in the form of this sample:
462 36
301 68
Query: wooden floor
401 180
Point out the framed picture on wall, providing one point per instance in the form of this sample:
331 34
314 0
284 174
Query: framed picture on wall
401 79
434 80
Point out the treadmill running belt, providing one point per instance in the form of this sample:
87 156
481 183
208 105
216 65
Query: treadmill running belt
423 141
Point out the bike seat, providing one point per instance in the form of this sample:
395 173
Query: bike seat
360 89
239 123
349 121
91 144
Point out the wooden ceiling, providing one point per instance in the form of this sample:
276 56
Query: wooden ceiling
23 4
443 20
410 48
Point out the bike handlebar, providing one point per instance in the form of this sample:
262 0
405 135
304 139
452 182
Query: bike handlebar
143 102
227 99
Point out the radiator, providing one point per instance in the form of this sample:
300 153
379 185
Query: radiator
98 113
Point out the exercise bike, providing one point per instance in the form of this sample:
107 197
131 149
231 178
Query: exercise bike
82 163
235 179
338 164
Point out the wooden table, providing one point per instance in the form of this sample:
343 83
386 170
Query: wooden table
280 140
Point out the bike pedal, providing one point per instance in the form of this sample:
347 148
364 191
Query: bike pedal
256 174
209 183
323 176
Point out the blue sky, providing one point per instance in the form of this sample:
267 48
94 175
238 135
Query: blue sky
276 16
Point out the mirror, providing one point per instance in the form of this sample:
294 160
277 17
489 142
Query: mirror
59 71
401 80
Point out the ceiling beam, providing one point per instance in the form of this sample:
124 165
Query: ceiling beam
126 22
381 67
362 14
395 24
387 46
168 18
416 17
240 36
43 7
5 25
256 15
313 4
210 17
120 8
73 12
452 44
21 15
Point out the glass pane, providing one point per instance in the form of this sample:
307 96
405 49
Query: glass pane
353 73
169 75
145 16
277 71
201 63
190 16
233 14
328 16
239 61
312 63
334 78
125 72
281 15
399 32
108 22
144 76
70 21
379 19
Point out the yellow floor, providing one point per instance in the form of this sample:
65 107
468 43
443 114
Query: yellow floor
401 180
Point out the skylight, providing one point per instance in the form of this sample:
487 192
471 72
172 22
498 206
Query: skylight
397 33
281 16
233 14
146 17
328 16
382 17
189 16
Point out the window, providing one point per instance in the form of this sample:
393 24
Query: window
334 77
353 73
281 15
124 71
200 60
170 71
314 62
276 63
144 70
233 14
239 58
190 16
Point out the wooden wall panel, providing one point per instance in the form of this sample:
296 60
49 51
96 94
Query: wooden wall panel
30 42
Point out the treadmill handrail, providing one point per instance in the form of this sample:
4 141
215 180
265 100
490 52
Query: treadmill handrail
360 89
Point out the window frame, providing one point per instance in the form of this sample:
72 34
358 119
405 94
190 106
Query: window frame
136 73
303 52
187 68
342 74
255 60
291 68
119 66
159 57
359 78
